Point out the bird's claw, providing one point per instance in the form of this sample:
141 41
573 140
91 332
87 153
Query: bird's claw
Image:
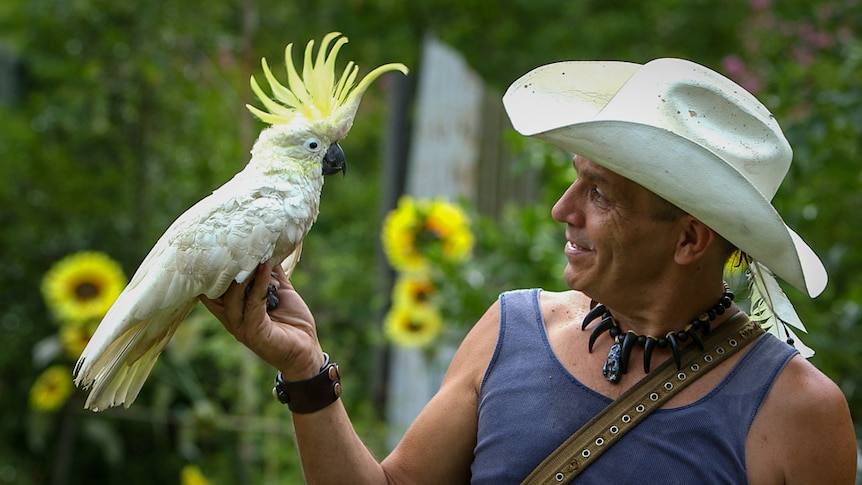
271 298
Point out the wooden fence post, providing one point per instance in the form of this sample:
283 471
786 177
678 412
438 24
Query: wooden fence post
443 162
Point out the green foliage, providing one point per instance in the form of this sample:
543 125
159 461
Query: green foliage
123 114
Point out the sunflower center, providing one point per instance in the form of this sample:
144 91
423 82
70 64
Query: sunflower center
422 295
427 235
414 326
86 291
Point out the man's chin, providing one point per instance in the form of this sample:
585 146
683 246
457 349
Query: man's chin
575 280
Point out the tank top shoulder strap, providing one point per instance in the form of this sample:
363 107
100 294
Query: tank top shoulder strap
521 327
756 371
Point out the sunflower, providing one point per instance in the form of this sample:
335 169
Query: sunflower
192 475
417 229
412 289
451 225
51 389
76 335
399 234
82 286
413 325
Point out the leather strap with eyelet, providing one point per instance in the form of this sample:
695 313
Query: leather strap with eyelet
312 394
649 394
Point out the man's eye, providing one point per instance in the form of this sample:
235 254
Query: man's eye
599 198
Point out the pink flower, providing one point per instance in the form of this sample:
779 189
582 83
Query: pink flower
735 68
733 65
760 4
802 56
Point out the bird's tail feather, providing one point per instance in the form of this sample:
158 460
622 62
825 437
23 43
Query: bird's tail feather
124 365
123 385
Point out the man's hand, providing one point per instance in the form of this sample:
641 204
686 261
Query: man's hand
285 337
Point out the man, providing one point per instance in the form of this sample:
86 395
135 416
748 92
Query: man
676 166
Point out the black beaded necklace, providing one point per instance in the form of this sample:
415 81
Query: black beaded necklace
618 356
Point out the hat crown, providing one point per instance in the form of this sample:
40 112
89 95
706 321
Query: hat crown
711 111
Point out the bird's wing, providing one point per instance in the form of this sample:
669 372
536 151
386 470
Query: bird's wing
221 239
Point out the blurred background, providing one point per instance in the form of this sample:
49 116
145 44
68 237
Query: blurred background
116 116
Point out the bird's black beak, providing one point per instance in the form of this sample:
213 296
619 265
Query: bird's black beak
334 161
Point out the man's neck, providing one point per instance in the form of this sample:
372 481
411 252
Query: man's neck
660 312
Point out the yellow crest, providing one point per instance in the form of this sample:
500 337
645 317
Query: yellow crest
316 94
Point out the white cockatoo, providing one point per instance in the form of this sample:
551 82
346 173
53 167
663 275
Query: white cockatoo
262 214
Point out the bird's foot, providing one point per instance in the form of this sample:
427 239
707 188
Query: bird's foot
271 297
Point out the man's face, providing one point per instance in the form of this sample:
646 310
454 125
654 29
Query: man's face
616 244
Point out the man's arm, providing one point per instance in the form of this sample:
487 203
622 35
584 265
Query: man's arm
803 433
437 448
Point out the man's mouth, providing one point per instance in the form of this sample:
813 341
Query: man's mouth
573 246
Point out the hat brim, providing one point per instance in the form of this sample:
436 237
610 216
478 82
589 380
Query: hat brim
673 167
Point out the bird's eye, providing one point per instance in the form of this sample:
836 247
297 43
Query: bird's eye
313 144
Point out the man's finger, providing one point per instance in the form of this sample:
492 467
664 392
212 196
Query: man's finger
234 301
215 306
278 272
257 292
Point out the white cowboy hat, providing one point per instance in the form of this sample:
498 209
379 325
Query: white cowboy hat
682 131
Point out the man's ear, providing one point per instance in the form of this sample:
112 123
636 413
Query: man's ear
695 238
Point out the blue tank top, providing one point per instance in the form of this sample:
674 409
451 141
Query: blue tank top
529 404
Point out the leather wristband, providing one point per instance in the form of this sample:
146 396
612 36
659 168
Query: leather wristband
312 394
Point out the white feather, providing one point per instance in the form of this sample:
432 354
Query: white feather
772 309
